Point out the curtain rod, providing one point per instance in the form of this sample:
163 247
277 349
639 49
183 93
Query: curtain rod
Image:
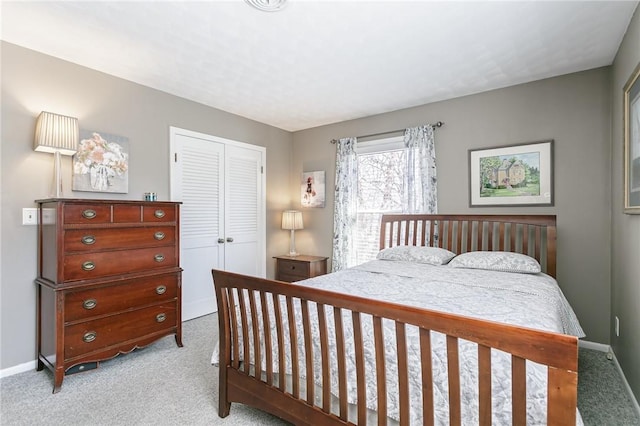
434 125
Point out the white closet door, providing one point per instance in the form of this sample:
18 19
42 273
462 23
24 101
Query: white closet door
222 223
199 181
244 212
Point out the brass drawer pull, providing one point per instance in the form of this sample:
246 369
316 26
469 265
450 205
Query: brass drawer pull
159 214
89 336
88 266
293 267
159 258
89 214
161 289
159 235
90 303
88 240
161 317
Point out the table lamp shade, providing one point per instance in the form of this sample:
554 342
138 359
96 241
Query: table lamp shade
56 133
292 219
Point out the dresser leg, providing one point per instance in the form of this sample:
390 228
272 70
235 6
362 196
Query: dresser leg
58 376
40 366
179 339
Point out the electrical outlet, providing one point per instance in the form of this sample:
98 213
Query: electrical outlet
29 216
617 326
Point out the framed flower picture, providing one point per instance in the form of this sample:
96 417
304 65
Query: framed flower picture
101 163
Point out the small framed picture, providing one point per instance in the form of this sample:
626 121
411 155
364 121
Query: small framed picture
312 189
514 175
101 163
632 143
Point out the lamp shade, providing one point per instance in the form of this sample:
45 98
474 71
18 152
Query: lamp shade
56 133
292 219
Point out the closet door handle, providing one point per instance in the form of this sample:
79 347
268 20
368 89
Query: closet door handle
220 240
230 239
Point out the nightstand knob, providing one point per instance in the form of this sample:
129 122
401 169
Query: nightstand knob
88 240
293 267
89 214
88 266
159 258
161 289
159 235
90 303
89 336
161 317
159 214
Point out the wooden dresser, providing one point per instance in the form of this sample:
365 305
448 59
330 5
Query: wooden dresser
109 280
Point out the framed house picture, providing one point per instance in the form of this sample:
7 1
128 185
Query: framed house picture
312 189
514 175
631 119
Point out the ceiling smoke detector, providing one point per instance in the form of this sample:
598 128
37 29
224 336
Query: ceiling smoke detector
268 5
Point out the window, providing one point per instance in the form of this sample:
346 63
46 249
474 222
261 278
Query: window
381 169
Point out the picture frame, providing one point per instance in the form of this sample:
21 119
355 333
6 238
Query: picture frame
631 124
312 189
101 163
512 175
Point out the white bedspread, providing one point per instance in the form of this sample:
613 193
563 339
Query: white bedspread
533 301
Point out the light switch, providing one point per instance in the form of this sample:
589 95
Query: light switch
29 216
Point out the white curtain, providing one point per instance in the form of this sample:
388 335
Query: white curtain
346 205
420 189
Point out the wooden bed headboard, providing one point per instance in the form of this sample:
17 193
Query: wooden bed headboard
533 235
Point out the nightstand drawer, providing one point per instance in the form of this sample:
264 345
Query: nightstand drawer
293 268
301 267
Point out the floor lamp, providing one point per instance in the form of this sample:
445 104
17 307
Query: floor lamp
292 220
57 134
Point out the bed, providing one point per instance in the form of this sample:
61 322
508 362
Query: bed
412 337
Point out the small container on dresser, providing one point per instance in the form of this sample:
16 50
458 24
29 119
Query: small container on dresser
301 267
109 280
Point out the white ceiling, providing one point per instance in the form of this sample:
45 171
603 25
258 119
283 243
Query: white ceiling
321 62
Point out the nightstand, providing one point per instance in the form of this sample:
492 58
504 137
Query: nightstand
301 267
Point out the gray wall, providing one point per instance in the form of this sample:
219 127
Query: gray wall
574 110
625 234
32 82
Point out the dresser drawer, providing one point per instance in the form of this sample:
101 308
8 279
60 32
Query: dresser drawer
127 295
77 240
158 212
87 213
293 268
84 266
101 333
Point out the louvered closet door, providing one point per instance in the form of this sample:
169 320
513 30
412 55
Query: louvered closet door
221 185
243 213
198 181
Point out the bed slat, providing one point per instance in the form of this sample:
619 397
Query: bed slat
484 384
381 378
324 353
453 367
342 369
427 377
519 390
360 374
403 373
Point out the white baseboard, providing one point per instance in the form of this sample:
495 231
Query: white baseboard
20 368
594 346
606 348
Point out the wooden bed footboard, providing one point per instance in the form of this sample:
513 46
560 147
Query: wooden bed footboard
270 333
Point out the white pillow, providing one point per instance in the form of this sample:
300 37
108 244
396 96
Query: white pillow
430 255
497 261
